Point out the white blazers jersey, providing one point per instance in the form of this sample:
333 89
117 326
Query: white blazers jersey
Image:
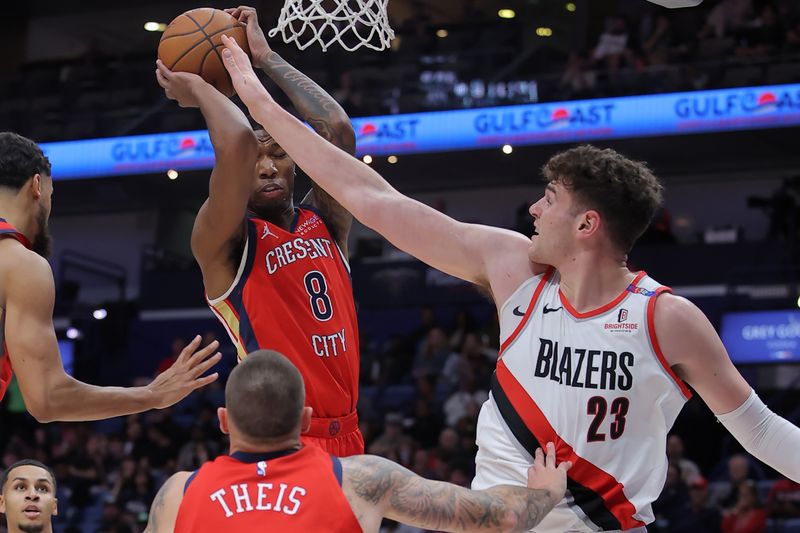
596 385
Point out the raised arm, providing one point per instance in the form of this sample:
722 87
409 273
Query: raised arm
494 258
220 222
316 106
164 511
49 392
691 345
377 488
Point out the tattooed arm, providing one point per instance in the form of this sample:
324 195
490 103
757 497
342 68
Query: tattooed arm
377 488
164 510
317 107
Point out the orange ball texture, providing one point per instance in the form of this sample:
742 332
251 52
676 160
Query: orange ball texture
193 43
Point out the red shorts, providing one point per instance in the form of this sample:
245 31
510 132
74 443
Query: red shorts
337 436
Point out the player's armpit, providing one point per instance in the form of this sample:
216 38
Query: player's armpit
401 495
164 511
690 345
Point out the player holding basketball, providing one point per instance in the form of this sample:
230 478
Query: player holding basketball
593 356
27 294
271 482
276 274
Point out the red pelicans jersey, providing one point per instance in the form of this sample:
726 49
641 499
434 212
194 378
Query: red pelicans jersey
288 491
292 293
7 230
596 385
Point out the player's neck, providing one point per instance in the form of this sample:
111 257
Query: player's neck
282 217
241 445
17 216
593 280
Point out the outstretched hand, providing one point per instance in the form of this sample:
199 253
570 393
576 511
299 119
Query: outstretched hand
245 81
186 374
256 40
545 475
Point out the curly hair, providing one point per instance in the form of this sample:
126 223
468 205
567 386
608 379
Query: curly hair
625 192
20 158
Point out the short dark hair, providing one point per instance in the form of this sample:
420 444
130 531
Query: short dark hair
26 462
20 158
625 192
265 395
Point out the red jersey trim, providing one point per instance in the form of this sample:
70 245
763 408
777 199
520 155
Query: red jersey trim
651 333
243 265
7 230
531 306
600 310
583 471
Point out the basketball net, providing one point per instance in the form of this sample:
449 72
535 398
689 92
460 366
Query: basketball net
351 23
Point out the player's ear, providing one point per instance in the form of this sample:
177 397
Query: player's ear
222 414
588 223
55 507
2 503
305 420
36 186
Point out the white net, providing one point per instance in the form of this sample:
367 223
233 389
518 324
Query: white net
351 23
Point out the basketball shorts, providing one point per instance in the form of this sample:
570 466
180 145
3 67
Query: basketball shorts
337 436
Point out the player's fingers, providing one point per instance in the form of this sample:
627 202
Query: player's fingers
550 459
538 458
566 465
162 81
200 369
189 349
162 68
201 355
202 382
232 56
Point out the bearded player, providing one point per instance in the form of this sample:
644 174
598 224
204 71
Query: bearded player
275 274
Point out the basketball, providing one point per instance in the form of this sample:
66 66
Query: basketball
193 43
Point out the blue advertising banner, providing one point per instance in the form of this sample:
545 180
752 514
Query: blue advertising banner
468 129
762 337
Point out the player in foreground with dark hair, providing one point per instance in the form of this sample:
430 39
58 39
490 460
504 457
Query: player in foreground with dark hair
28 497
593 356
272 482
28 344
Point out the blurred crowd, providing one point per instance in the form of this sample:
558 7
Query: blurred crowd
420 397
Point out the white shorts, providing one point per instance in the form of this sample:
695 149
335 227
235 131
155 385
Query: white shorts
501 460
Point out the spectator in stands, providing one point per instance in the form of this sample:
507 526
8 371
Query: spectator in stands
700 516
465 324
784 499
740 471
688 468
762 36
673 500
432 355
393 442
747 516
178 344
793 37
659 44
612 47
426 424
727 17
466 400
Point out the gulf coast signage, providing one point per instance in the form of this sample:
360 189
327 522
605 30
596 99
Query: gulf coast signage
468 129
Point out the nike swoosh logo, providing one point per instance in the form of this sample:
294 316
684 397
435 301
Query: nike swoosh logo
550 309
517 312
